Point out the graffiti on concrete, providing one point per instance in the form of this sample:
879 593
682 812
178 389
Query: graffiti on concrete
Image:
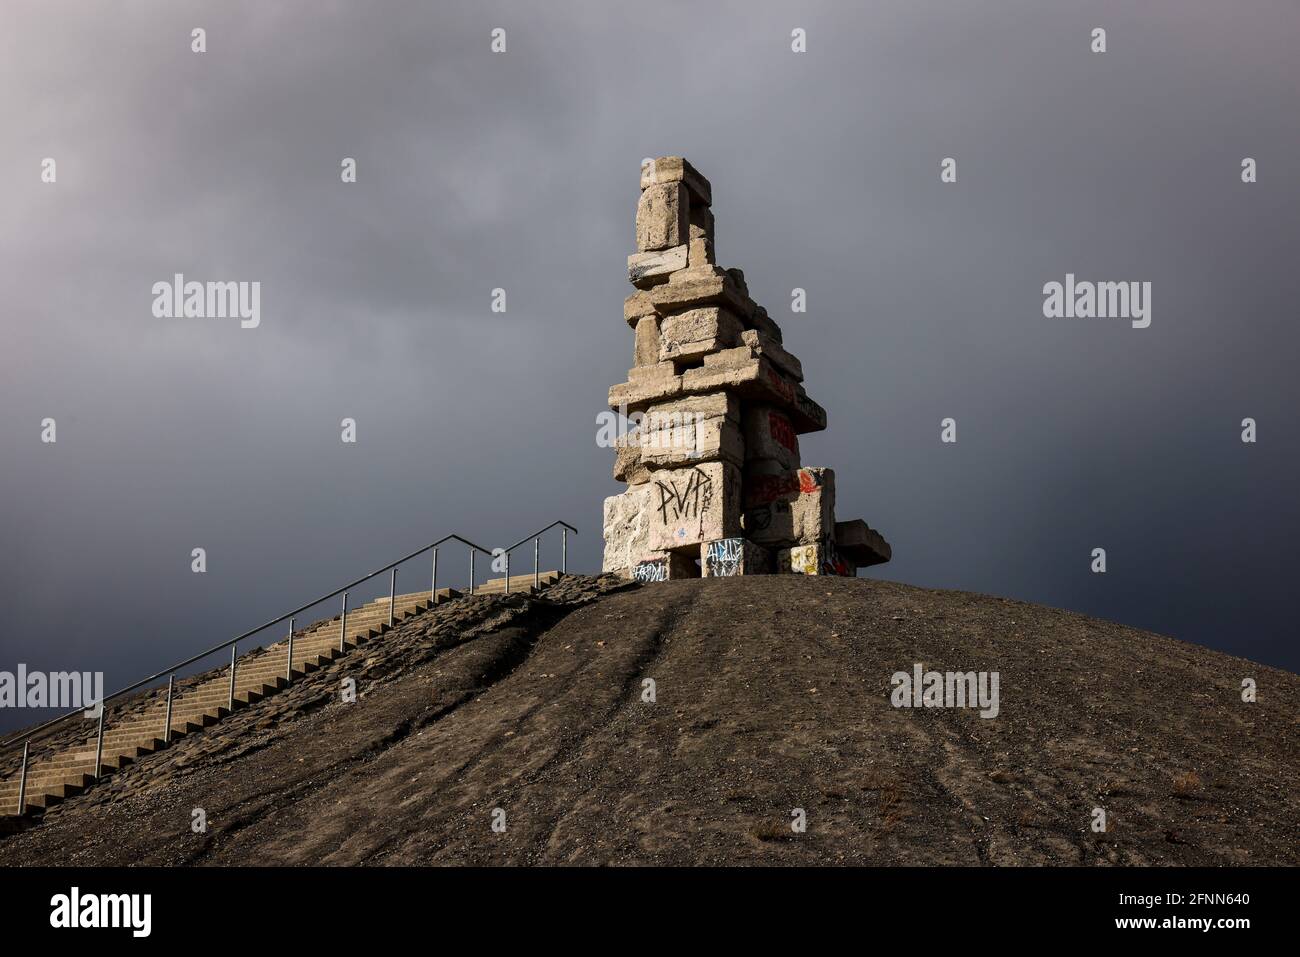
692 501
782 431
765 489
655 570
722 558
832 564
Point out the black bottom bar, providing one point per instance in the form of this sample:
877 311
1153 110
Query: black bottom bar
942 906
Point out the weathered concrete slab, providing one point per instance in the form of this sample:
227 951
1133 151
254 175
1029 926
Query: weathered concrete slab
675 169
700 286
646 351
662 217
767 347
693 505
730 370
695 332
635 306
628 466
816 559
626 528
730 557
759 380
700 233
770 436
645 270
760 320
645 386
860 544
691 430
788 508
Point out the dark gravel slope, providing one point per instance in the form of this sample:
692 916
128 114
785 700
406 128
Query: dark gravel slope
772 693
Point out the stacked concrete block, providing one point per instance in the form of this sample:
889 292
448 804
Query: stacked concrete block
717 403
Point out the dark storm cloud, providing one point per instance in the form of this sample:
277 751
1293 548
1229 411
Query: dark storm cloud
519 171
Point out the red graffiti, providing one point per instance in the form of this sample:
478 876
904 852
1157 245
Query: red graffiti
782 431
765 489
783 388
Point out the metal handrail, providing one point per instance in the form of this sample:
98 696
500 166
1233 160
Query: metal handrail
539 534
536 540
28 735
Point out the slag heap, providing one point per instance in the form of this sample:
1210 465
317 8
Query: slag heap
715 485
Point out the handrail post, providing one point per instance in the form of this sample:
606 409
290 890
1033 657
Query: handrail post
564 549
507 573
288 662
99 742
22 780
392 596
537 580
433 586
167 728
343 624
233 651
471 570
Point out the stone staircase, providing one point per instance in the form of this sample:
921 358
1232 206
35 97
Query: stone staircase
258 675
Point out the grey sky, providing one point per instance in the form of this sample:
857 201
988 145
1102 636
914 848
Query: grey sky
520 171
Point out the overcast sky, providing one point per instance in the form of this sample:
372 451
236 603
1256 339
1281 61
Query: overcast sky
520 171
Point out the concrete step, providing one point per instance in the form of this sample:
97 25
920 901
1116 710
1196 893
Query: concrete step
128 733
62 785
219 689
39 800
113 760
87 756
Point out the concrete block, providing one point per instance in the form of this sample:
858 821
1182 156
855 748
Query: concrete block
646 385
769 435
675 169
635 306
762 345
788 508
664 566
700 286
861 545
689 430
730 557
819 558
695 332
628 466
700 250
646 351
759 380
693 505
761 321
626 527
645 270
662 217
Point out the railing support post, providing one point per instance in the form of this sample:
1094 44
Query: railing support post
167 728
471 571
433 587
564 550
99 743
507 573
343 624
288 661
234 650
392 596
537 580
22 780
